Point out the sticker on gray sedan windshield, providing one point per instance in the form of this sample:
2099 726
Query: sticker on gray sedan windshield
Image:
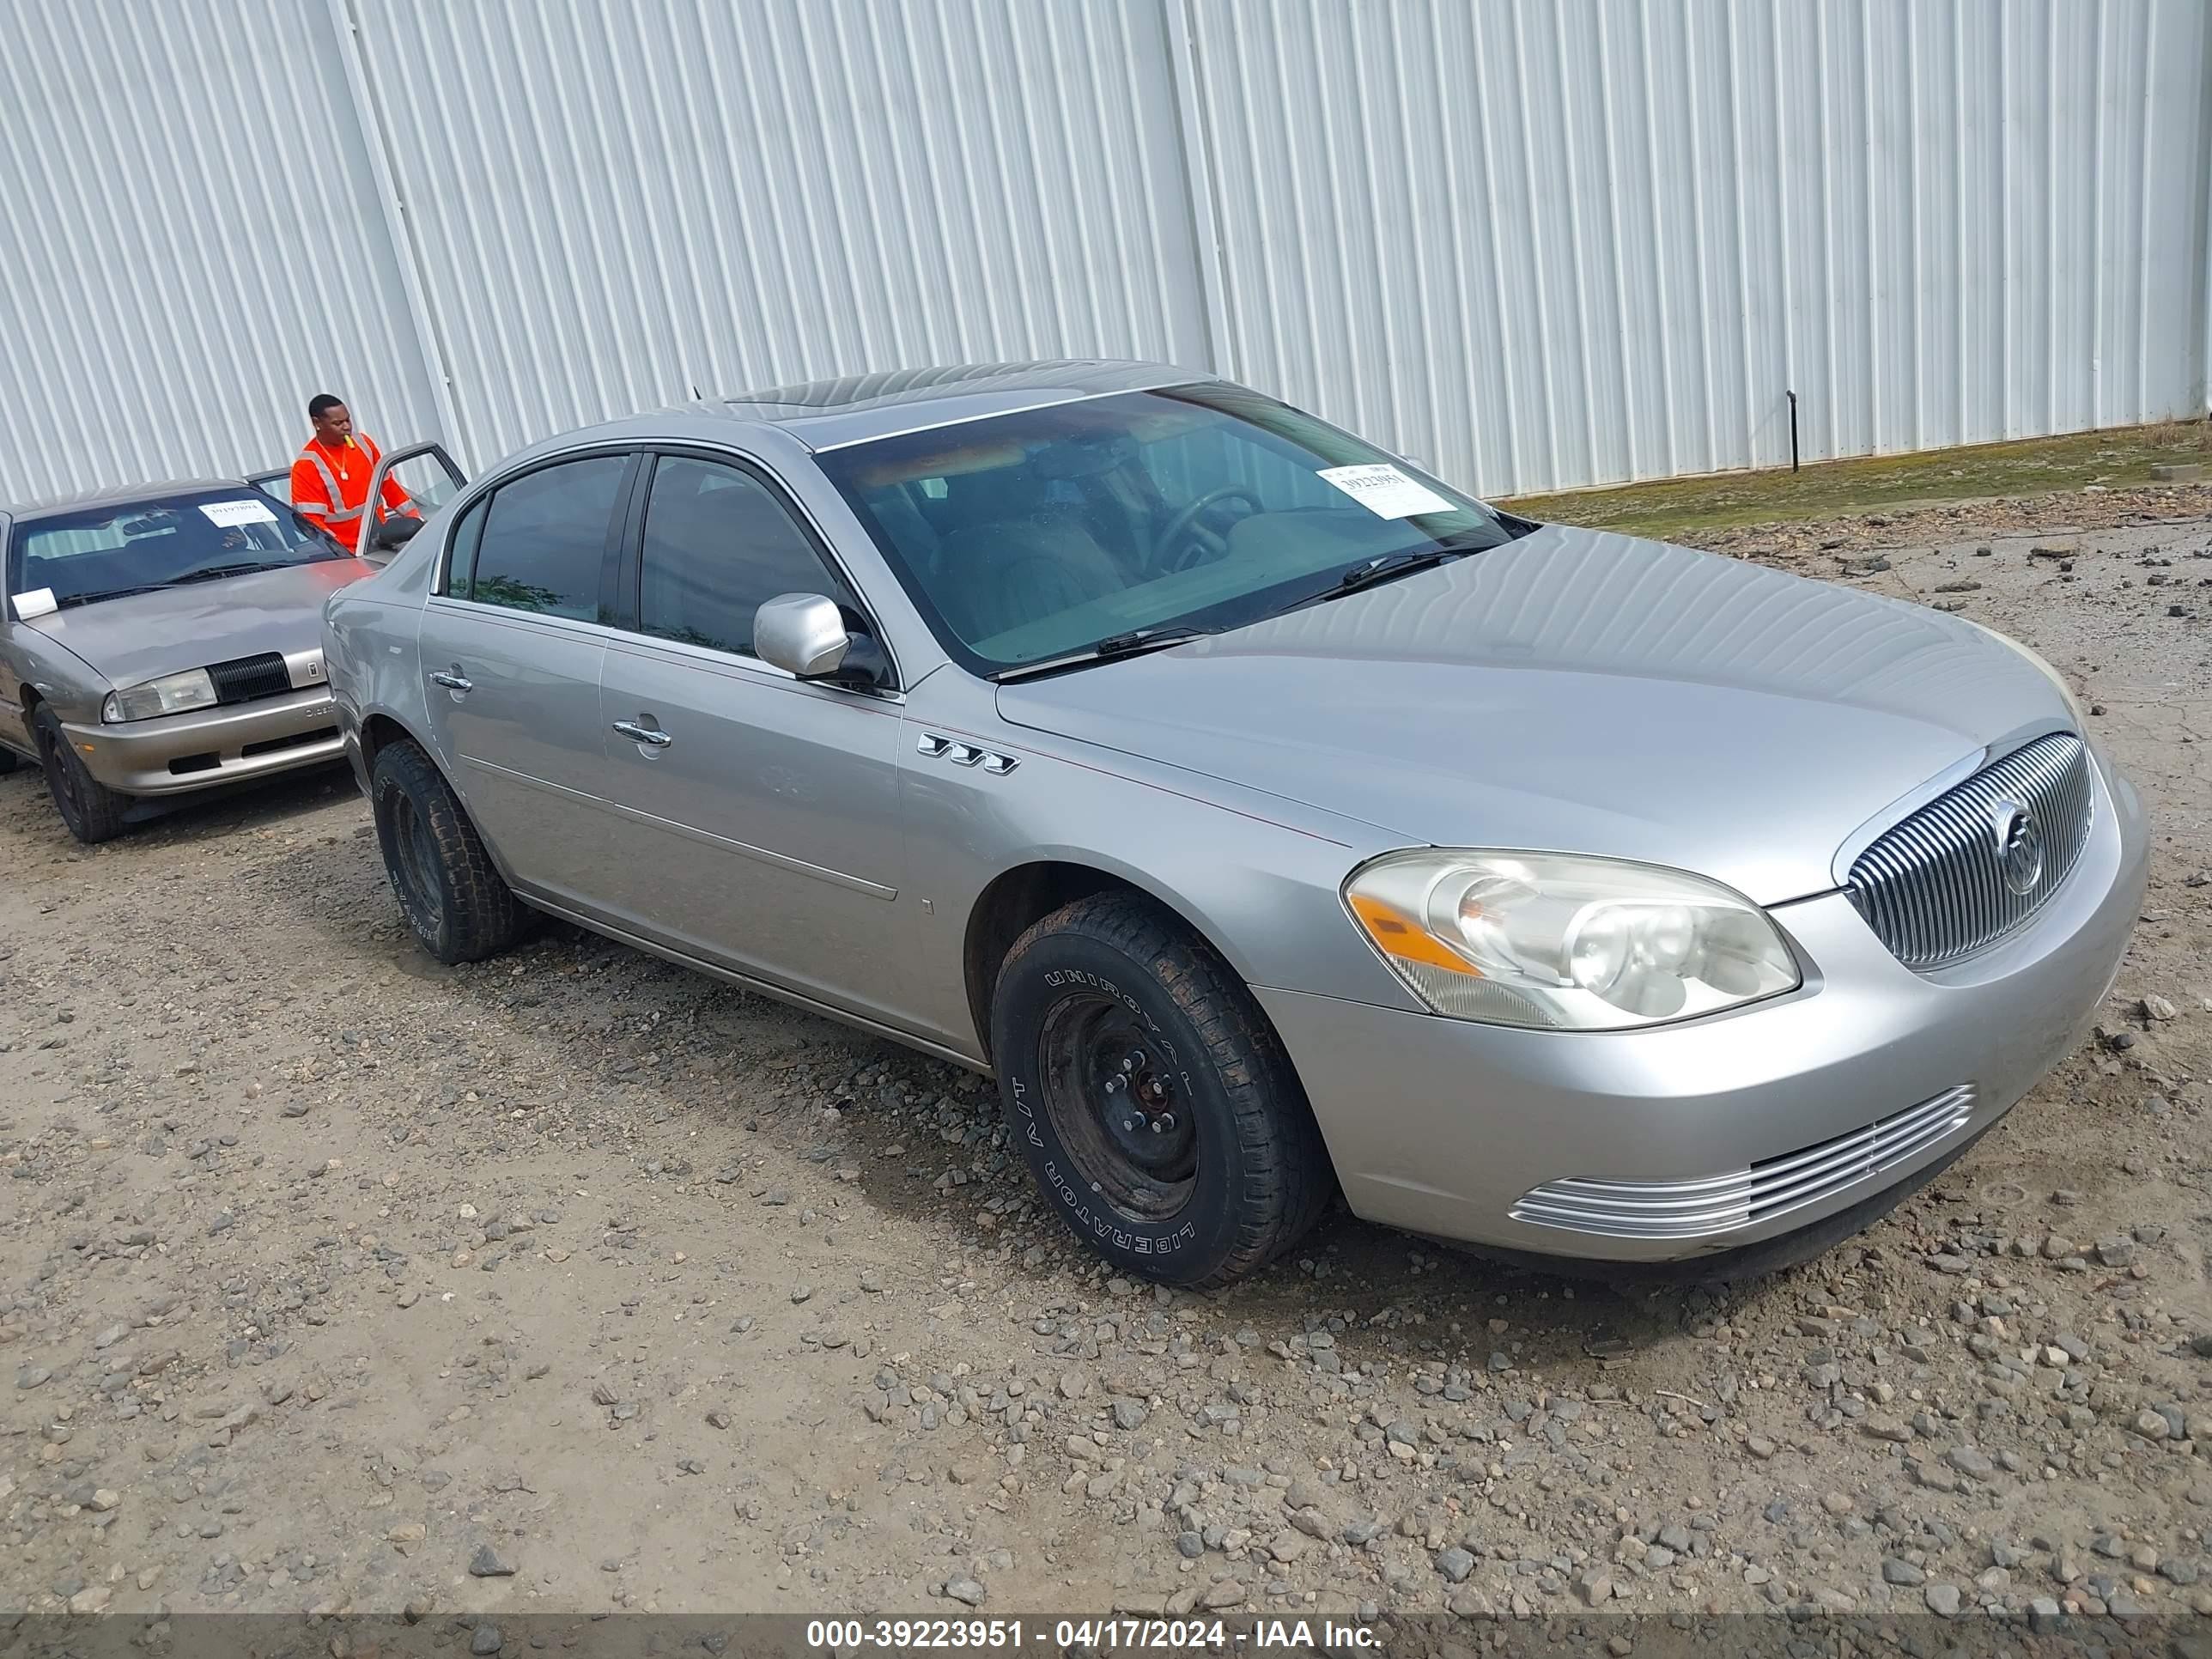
1385 491
229 515
38 602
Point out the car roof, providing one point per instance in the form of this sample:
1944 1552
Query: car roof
828 414
119 495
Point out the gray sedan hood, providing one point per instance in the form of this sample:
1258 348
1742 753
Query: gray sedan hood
146 636
1579 691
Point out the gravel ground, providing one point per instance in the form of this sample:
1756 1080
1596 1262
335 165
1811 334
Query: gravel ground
330 1280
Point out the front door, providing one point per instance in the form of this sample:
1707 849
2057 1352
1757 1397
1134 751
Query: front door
512 651
769 805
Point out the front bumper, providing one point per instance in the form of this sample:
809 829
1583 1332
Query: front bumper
1686 1140
176 754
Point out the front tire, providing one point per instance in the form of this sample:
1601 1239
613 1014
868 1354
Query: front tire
92 811
1153 1101
456 902
9 760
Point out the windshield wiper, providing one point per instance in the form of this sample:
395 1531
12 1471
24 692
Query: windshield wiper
1388 567
229 570
1136 641
112 593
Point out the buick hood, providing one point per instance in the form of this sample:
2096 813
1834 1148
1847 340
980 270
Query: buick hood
147 635
1580 691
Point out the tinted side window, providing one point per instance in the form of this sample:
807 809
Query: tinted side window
461 555
717 543
545 540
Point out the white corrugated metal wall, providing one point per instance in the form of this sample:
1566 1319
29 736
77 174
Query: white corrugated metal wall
1536 243
1550 242
613 205
177 183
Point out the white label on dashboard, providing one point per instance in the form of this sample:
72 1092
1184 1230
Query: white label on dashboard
229 515
38 602
1385 491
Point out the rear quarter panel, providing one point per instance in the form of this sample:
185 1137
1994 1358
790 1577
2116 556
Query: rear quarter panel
369 649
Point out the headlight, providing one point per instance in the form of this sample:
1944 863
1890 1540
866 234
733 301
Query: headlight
172 693
2073 703
1565 943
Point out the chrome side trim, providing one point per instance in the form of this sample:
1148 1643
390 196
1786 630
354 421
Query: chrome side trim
1741 1198
936 746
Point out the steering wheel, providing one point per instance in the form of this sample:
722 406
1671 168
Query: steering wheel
1185 521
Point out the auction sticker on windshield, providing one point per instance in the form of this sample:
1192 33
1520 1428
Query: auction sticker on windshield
38 602
229 515
1385 491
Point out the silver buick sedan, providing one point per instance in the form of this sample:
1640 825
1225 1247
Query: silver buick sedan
1269 817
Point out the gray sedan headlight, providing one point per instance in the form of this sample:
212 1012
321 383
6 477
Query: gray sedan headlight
172 693
1564 943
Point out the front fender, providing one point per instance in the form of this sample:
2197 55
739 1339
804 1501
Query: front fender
1259 877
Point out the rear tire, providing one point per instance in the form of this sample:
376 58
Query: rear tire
1152 1100
92 811
456 902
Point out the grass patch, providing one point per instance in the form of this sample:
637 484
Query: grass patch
1828 489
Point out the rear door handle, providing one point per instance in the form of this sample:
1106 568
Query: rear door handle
452 681
637 734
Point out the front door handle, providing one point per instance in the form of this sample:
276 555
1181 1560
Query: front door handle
637 734
454 682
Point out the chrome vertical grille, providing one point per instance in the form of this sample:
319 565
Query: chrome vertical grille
1949 879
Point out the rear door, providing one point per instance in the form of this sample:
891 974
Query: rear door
761 810
511 647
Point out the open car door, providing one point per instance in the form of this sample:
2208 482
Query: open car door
431 484
432 478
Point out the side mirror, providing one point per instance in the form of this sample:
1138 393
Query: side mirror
395 532
803 634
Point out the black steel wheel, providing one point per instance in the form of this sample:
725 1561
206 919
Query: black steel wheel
91 810
1151 1097
458 906
1118 1105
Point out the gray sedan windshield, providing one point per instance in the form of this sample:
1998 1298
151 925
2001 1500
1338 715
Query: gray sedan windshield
104 552
1035 536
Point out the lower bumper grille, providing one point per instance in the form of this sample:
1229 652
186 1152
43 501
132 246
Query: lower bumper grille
1745 1198
297 740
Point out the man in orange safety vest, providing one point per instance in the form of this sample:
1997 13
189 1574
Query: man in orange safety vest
329 479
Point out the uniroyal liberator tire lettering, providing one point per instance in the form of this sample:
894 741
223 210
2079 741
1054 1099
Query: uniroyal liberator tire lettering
1022 1091
1122 1237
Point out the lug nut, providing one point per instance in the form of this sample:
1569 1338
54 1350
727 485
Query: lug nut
1113 1086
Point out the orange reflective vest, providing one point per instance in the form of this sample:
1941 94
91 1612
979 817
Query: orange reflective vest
330 487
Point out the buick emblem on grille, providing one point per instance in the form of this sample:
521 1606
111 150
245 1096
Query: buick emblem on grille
2019 847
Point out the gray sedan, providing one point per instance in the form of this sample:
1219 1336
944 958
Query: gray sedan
1272 818
163 640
